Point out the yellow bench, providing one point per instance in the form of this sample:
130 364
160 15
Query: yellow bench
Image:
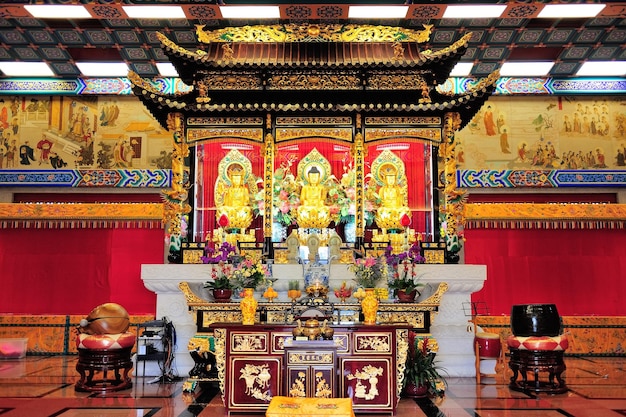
309 407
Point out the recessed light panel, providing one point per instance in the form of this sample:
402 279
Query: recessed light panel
154 12
377 12
474 12
103 69
525 69
57 11
250 12
26 69
602 68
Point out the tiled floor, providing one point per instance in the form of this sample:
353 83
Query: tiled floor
40 386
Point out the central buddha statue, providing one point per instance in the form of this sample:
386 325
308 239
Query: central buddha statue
313 212
235 199
392 200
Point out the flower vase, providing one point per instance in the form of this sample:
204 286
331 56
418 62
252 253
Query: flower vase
222 295
369 306
406 297
248 306
415 391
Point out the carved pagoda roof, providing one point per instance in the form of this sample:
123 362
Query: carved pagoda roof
313 46
314 69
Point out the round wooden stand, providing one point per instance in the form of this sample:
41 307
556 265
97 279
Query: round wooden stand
101 363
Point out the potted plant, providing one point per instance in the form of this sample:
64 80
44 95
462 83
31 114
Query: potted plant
403 280
422 376
222 282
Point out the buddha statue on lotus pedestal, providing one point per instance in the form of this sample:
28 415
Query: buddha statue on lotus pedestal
233 193
313 212
392 200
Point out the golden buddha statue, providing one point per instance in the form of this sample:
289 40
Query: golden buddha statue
392 200
235 199
313 212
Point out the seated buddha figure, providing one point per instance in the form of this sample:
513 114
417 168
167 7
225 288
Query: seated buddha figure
392 201
236 200
313 212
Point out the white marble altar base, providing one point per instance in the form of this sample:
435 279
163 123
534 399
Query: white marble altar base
449 327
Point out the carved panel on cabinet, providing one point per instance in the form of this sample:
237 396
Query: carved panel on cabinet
372 342
248 342
253 382
368 382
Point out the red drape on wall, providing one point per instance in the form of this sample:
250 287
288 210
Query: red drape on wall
70 271
583 272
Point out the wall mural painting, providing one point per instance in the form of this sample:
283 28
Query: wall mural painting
42 133
545 133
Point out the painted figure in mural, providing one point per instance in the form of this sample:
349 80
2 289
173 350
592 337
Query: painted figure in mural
313 211
27 154
504 141
236 204
392 200
490 125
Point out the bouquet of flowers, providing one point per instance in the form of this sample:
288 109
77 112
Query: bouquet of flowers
369 271
342 194
285 196
250 274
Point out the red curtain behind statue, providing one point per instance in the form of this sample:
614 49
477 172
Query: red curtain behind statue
583 272
209 156
70 271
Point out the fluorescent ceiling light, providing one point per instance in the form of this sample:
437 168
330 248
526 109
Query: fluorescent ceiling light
474 12
526 69
166 69
250 12
103 69
563 11
57 11
602 68
26 69
378 12
154 12
462 69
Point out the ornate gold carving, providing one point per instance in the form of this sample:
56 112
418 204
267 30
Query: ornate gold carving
373 343
454 198
397 80
190 296
227 51
322 388
368 374
219 336
136 80
298 388
199 134
340 133
257 379
230 80
301 120
314 80
311 358
398 51
546 212
415 120
199 344
402 350
419 133
175 200
81 211
202 87
224 121
249 343
435 299
312 33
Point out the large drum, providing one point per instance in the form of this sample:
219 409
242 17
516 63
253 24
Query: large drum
488 345
535 320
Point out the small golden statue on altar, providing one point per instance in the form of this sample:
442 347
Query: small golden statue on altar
233 190
313 213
